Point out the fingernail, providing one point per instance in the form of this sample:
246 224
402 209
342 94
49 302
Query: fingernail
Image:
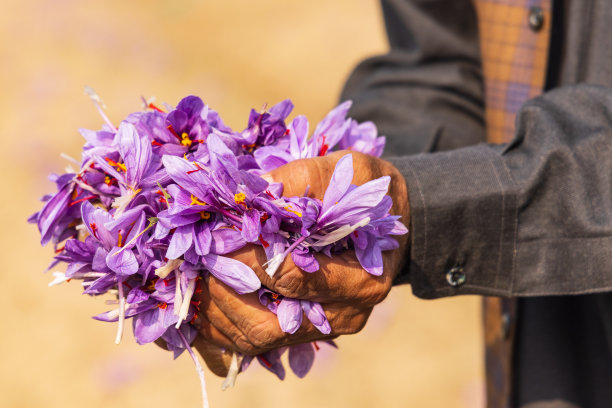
268 178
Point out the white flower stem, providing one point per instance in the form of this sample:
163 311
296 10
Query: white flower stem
121 314
186 301
199 369
178 298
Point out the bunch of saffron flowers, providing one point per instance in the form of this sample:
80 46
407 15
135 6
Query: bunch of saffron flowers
159 202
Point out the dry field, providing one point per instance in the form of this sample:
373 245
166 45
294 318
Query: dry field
236 55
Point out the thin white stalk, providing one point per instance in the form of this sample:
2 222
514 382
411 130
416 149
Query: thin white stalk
178 298
198 367
186 301
121 314
232 373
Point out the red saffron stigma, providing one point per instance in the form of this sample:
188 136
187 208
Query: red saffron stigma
287 132
324 146
194 318
198 288
94 229
156 143
152 106
264 242
323 150
162 305
81 200
171 129
265 361
316 346
194 171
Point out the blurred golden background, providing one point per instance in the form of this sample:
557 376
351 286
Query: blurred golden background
235 55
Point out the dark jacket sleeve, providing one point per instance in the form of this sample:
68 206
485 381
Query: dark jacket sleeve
530 218
533 217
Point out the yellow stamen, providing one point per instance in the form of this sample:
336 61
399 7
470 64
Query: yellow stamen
288 208
239 198
185 140
119 241
204 215
195 200
107 180
119 166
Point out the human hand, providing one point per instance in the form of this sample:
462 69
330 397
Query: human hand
344 289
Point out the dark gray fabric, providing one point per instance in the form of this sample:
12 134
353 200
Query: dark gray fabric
530 218
565 362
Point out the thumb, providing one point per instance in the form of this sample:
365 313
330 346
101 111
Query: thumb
301 177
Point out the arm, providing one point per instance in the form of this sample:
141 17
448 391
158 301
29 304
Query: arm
530 218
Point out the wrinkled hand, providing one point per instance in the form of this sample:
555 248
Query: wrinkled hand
344 289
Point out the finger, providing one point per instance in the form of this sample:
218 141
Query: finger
258 325
339 279
303 175
217 359
211 334
263 330
220 329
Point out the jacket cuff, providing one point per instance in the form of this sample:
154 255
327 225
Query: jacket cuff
463 229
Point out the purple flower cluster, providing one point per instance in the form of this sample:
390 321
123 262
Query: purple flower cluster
161 200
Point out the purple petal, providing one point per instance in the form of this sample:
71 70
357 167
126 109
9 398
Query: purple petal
192 105
98 263
180 242
178 120
137 295
226 240
357 202
122 263
202 238
298 134
52 212
314 312
251 225
135 151
305 260
94 220
271 157
150 325
289 314
339 183
370 258
221 157
301 357
282 109
187 175
271 360
233 273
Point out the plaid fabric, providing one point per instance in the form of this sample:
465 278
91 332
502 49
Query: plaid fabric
513 60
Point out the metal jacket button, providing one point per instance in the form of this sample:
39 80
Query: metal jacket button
536 18
455 276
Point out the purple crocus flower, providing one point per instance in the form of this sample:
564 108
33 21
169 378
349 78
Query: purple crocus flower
159 202
268 127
